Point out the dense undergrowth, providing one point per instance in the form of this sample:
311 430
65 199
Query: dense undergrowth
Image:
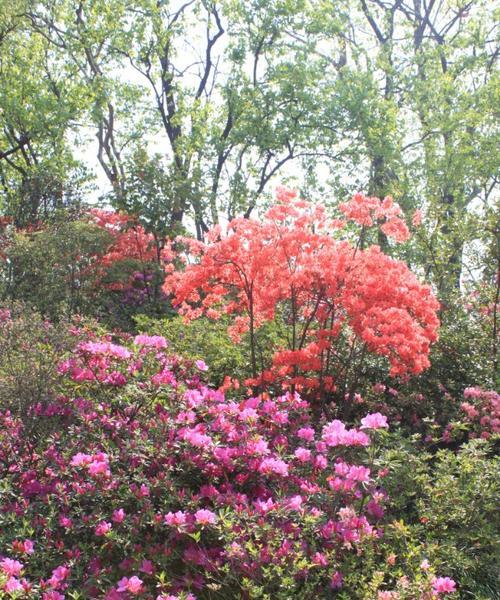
302 433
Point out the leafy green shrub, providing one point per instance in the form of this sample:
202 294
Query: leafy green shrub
449 502
53 270
209 340
30 350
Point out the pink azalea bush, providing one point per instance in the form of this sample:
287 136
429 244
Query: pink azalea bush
481 409
157 486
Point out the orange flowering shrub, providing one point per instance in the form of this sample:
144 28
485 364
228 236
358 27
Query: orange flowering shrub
331 293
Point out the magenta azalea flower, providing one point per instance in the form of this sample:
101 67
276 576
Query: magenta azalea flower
443 585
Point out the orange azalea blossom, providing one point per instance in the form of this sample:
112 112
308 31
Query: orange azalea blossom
328 291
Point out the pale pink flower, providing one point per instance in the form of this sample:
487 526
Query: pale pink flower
130 584
12 585
374 421
205 517
274 465
294 503
80 459
175 519
150 341
306 433
417 218
302 454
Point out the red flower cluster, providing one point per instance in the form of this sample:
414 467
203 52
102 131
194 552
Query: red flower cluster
368 211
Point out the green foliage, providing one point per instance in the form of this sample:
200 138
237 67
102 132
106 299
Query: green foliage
208 340
38 105
30 351
449 503
53 270
360 95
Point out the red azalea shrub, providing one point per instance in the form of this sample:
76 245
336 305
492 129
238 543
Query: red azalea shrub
332 294
156 486
131 264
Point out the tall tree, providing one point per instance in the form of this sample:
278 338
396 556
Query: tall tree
37 108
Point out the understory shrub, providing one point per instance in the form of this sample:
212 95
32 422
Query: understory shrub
447 502
294 464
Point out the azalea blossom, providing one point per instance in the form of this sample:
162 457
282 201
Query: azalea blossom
205 517
443 585
374 421
130 584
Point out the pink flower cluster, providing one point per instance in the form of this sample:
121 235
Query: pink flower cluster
481 409
182 480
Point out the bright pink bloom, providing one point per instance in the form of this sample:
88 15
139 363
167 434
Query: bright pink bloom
374 421
130 584
29 546
59 574
25 547
205 517
336 434
144 490
118 515
320 559
65 522
11 567
103 528
147 567
443 585
274 465
52 595
99 467
336 580
165 377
